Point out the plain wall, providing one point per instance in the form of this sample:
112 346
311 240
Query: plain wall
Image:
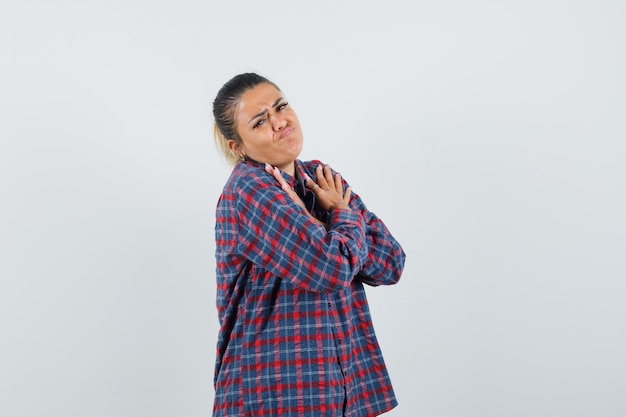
489 136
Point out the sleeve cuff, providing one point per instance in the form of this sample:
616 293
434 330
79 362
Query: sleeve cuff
352 217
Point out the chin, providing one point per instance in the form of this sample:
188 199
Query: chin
296 155
297 149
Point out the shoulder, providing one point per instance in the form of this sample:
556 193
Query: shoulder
244 174
309 166
248 186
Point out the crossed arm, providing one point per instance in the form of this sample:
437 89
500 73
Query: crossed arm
385 255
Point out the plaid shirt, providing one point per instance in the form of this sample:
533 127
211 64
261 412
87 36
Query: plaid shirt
296 336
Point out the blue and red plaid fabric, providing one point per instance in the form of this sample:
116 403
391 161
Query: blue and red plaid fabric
296 336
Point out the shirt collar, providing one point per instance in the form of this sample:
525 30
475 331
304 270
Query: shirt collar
296 182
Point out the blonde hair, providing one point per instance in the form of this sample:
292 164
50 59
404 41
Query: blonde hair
221 143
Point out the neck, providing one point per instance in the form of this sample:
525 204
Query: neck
289 168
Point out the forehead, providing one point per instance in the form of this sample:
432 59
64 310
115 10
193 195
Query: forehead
258 98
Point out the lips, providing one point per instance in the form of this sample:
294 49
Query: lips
286 132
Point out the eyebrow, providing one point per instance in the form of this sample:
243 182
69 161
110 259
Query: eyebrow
265 111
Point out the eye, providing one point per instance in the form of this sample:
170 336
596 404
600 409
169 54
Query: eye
258 123
281 106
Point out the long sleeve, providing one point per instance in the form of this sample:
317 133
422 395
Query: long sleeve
277 235
385 256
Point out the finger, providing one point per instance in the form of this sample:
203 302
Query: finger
338 183
278 176
284 185
328 174
347 195
319 172
308 181
275 173
311 185
288 190
281 181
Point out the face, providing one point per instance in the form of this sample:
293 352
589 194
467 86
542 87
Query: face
269 128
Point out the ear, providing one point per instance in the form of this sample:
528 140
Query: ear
233 146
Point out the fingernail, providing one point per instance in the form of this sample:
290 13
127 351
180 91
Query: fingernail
268 166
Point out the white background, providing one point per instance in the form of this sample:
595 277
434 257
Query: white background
489 135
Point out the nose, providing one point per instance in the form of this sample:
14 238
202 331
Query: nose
278 122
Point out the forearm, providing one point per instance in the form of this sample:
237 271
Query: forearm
386 257
280 236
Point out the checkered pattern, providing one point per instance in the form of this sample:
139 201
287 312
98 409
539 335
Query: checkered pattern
296 336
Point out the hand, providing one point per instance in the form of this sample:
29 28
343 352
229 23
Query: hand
329 189
290 192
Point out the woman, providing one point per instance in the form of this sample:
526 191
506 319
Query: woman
294 247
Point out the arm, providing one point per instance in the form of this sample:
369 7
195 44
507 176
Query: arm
279 236
385 258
